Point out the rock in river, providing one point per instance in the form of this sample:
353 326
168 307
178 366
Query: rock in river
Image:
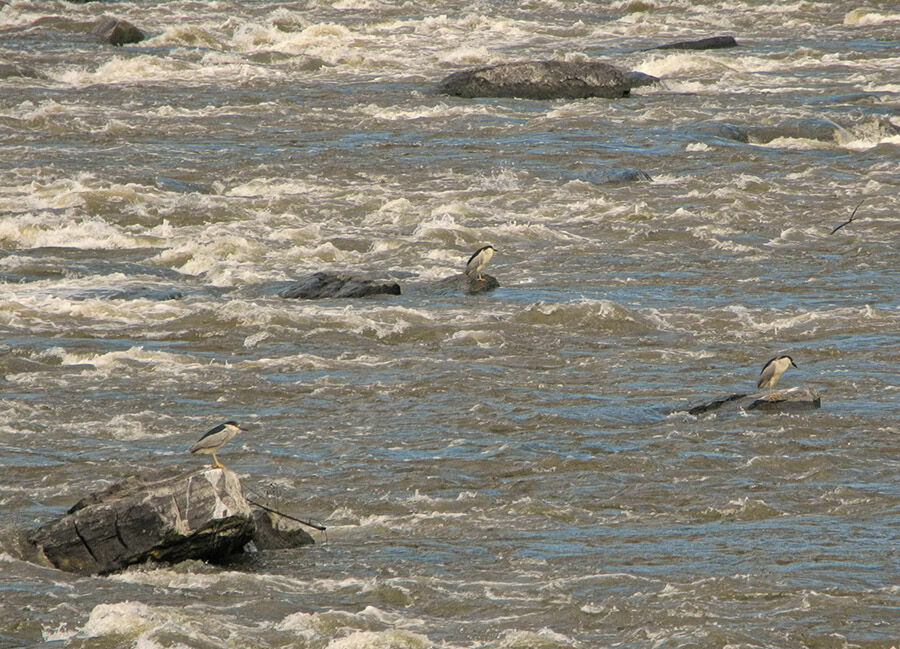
463 283
169 517
545 80
116 32
790 400
274 532
324 284
711 43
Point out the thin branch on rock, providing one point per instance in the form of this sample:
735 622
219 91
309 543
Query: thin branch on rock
850 220
315 526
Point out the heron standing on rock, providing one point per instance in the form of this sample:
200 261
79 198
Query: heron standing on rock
478 261
772 371
214 440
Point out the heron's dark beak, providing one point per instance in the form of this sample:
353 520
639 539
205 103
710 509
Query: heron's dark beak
794 364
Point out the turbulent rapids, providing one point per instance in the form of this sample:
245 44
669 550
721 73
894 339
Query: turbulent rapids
510 467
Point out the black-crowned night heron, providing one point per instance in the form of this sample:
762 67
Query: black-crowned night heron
772 371
215 439
478 261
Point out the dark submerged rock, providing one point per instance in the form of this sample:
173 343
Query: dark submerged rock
637 79
180 186
545 80
711 43
806 128
330 285
116 32
130 292
151 517
609 176
799 399
464 283
10 70
274 532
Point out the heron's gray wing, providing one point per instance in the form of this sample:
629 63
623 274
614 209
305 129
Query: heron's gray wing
211 439
767 373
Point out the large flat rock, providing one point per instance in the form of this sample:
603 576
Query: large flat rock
711 43
170 517
798 399
545 80
337 285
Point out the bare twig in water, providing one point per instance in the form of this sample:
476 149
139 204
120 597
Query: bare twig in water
850 220
315 526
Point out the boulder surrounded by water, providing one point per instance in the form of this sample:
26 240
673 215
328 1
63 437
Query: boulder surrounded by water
808 128
464 283
799 399
545 80
116 32
332 285
711 43
165 517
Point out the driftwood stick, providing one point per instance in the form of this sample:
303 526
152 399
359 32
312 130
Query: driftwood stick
850 220
315 526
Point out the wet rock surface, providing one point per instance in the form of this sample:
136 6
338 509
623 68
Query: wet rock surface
150 517
711 43
275 532
545 80
337 285
799 399
463 283
114 31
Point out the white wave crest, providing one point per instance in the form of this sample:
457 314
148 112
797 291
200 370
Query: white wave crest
62 230
154 359
543 639
121 618
393 639
865 16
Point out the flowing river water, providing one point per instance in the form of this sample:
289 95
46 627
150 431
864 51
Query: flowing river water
508 470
